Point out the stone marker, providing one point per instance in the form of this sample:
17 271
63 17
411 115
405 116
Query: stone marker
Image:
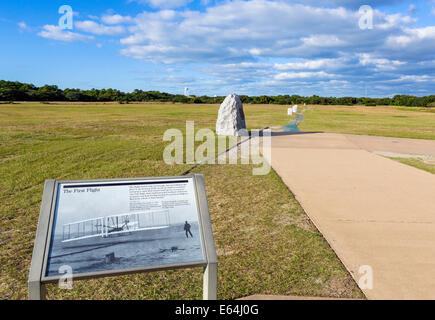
231 118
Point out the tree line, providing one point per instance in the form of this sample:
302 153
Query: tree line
16 91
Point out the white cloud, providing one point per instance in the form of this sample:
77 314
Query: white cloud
165 4
350 3
56 33
97 28
116 19
381 64
323 40
393 21
414 78
308 48
255 51
412 36
23 26
303 75
336 82
310 64
242 30
275 45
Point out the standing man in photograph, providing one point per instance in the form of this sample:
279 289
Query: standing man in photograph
187 229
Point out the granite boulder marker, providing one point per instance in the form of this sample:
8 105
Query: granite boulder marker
231 117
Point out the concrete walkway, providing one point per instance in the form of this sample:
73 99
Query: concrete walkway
372 210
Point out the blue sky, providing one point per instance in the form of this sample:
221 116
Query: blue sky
217 47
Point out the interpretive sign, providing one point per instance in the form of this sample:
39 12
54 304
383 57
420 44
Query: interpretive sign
97 228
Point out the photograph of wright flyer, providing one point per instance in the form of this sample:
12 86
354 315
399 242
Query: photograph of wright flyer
96 228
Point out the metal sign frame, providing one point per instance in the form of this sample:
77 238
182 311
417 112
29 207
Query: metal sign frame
38 279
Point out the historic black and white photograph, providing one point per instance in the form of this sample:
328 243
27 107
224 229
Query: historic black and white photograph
121 225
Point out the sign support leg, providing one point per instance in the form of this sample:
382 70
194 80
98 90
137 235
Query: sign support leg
36 290
210 282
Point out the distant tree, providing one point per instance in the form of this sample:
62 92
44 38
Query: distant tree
73 95
16 91
50 93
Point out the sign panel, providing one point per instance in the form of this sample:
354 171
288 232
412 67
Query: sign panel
108 227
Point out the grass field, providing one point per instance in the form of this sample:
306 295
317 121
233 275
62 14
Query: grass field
400 122
417 163
265 242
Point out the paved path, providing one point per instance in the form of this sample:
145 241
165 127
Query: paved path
393 145
372 210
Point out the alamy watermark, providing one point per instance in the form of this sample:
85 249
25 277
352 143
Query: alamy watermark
66 21
366 17
251 148
366 279
66 280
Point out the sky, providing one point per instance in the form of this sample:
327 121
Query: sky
254 47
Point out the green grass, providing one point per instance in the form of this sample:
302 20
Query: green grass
417 163
265 242
400 122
